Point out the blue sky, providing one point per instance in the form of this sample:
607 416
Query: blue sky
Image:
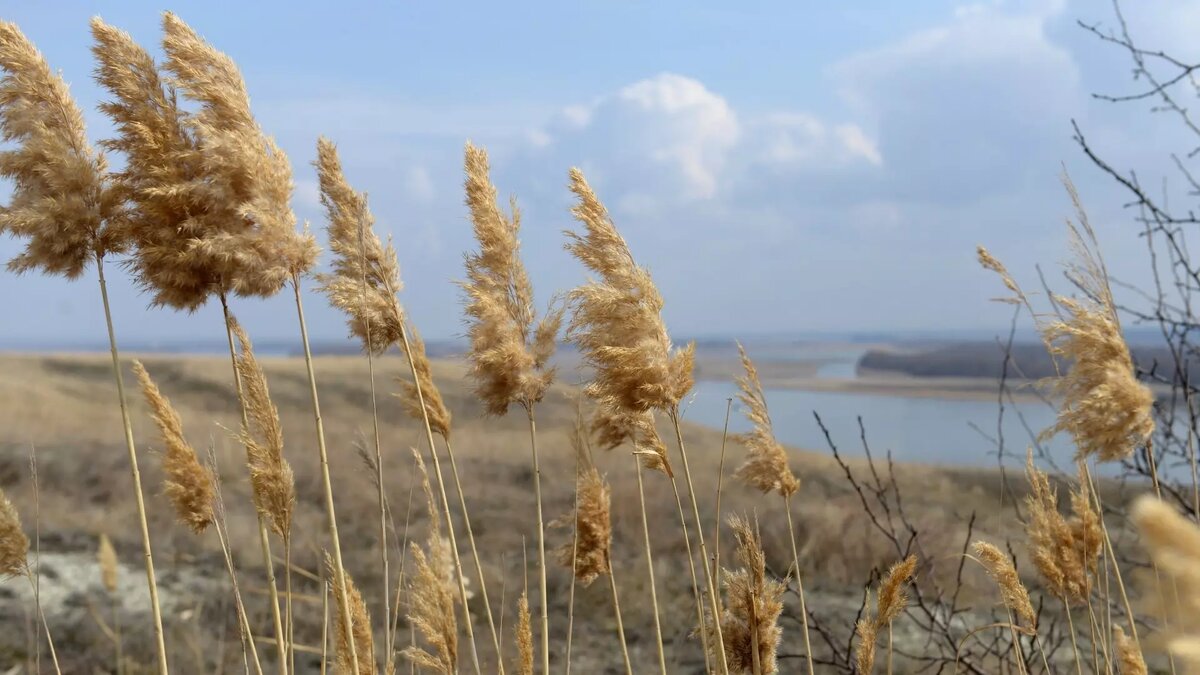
781 167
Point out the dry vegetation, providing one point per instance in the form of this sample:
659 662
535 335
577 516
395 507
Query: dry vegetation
285 519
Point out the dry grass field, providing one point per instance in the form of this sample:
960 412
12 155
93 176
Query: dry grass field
63 405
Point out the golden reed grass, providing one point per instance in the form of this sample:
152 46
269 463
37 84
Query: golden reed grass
364 285
524 636
106 560
187 482
1065 551
1173 543
14 543
354 651
1000 568
273 486
66 204
766 469
509 355
753 602
618 326
432 592
891 598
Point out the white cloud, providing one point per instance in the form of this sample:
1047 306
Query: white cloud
418 184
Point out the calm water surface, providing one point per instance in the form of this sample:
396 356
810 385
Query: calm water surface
914 429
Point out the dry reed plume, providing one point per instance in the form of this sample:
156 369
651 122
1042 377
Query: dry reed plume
867 633
106 559
1173 543
1000 568
617 321
210 189
611 426
365 277
188 484
509 355
766 468
363 643
891 598
62 200
429 398
1129 656
14 544
1104 408
274 486
256 248
590 550
1065 552
753 603
432 593
524 636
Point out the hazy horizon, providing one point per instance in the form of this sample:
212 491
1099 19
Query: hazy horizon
856 154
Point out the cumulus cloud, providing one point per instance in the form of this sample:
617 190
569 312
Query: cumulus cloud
669 139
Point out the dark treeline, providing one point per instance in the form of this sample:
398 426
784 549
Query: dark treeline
986 359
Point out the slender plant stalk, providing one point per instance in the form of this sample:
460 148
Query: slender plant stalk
1158 584
1074 643
658 636
890 645
537 489
155 610
687 474
755 656
437 467
1112 554
687 543
787 505
383 549
41 614
243 619
221 526
324 625
487 605
571 593
263 536
327 484
612 582
35 580
720 484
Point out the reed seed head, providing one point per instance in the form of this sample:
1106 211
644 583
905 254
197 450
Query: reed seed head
617 322
749 621
612 426
106 558
432 599
62 201
366 275
1001 569
360 619
524 636
188 484
242 168
435 407
509 356
211 191
1105 409
1065 552
271 479
766 468
590 551
1173 543
14 545
1128 655
892 597
864 652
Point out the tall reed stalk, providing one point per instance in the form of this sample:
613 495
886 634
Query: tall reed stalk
155 611
326 483
281 640
658 634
